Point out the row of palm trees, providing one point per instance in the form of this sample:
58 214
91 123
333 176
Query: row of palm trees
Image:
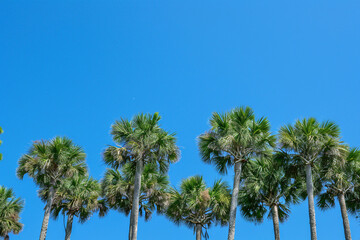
271 173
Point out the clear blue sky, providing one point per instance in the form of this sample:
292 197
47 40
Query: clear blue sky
71 68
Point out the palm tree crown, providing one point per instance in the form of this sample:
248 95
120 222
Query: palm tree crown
267 188
10 208
198 206
77 196
48 162
118 190
342 177
309 140
235 137
141 139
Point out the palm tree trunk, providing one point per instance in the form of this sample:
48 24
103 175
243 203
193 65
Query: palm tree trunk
198 231
234 200
135 204
6 237
69 226
48 206
275 216
345 217
130 227
310 193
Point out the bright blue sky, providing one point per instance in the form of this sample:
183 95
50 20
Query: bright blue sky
74 67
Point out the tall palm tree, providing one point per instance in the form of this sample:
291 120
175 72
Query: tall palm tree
76 197
341 179
10 208
141 141
268 189
118 190
307 141
234 139
198 206
49 163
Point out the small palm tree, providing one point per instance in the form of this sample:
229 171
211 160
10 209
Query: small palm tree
308 141
234 139
76 197
198 206
268 189
49 163
341 179
141 141
118 190
10 208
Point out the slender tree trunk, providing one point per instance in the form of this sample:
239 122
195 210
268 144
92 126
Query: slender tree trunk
130 227
198 231
48 206
345 217
69 226
135 203
6 237
275 216
310 193
234 200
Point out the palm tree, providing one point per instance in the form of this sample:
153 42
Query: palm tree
10 208
341 179
308 141
234 139
118 190
267 188
48 163
141 141
198 206
76 197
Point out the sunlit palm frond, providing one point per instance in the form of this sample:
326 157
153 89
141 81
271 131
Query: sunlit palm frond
10 209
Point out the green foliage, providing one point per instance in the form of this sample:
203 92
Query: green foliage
342 176
309 140
77 196
10 208
267 185
49 162
195 203
235 136
143 139
118 188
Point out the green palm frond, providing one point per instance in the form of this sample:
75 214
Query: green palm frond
48 162
117 189
10 208
141 138
77 196
195 203
341 175
267 184
235 136
310 139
